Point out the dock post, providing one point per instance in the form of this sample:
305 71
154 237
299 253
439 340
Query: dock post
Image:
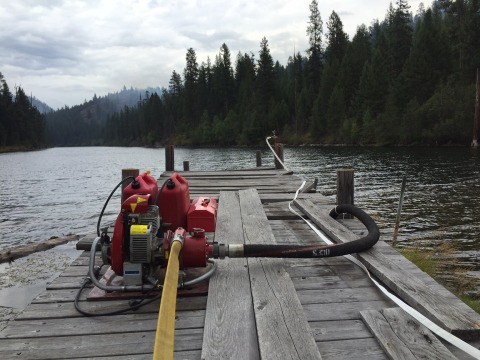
128 172
279 151
169 158
186 166
345 188
259 158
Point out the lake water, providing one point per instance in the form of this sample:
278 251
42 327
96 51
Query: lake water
59 191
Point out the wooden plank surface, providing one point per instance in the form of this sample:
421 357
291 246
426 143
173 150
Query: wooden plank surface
66 347
402 337
230 318
355 349
66 310
283 330
107 325
437 303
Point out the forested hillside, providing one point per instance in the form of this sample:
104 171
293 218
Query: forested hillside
22 126
408 79
83 124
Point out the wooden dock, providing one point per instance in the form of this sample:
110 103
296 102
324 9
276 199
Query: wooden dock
258 308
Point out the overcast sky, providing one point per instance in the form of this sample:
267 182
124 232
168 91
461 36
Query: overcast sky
65 51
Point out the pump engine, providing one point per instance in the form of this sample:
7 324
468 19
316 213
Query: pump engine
148 222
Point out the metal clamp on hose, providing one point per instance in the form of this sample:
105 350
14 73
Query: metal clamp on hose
179 236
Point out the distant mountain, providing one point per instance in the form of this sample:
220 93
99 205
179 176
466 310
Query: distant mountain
126 97
75 125
41 106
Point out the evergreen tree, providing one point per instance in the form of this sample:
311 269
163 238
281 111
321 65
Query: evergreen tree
191 73
205 86
337 39
428 64
314 33
174 100
264 82
223 82
356 56
6 122
244 83
399 33
337 42
373 88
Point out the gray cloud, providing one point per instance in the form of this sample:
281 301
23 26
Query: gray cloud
65 51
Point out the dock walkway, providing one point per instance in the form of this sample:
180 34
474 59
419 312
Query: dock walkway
258 308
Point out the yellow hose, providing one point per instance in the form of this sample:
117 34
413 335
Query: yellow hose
165 335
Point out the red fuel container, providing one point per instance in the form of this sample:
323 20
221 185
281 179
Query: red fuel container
143 184
202 214
174 201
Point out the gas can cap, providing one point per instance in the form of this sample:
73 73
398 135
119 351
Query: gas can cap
170 184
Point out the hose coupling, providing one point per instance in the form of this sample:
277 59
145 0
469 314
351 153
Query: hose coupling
179 236
235 250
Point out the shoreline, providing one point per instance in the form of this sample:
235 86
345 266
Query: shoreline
25 278
14 149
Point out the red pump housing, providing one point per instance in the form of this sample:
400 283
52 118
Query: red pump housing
195 250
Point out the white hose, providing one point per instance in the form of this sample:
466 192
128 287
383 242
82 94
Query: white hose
275 154
452 339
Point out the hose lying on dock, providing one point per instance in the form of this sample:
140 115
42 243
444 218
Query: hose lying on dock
316 251
165 334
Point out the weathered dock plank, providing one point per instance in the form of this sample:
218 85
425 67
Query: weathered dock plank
66 347
358 349
283 331
131 323
402 337
339 330
65 310
230 316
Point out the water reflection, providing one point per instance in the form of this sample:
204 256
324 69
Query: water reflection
59 191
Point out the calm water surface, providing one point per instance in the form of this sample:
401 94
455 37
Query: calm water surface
62 190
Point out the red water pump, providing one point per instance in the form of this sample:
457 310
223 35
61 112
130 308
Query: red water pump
151 220
148 221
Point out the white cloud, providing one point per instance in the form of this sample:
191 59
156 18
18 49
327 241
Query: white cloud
64 51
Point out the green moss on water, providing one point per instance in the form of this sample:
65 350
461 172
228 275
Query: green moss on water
431 262
474 303
422 259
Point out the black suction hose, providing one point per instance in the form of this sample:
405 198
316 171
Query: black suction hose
316 251
108 199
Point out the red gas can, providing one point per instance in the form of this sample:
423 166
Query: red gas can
202 214
143 184
174 201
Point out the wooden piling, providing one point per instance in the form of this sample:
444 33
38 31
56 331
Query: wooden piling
126 173
399 211
169 158
476 119
345 188
279 151
186 166
259 158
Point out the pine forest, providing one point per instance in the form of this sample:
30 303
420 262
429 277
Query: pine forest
408 79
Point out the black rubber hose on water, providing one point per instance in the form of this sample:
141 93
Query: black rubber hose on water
320 251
